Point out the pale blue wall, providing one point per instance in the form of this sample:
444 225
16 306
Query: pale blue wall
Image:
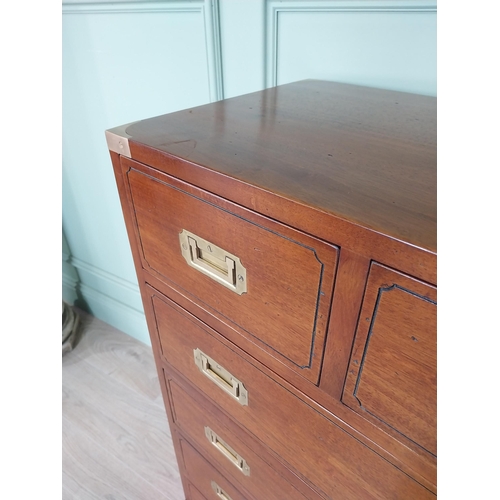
124 61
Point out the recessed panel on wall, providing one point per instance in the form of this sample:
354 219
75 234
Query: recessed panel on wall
389 46
119 65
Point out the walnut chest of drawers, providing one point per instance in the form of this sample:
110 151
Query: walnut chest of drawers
285 245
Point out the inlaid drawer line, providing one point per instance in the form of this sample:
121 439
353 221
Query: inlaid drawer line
155 179
365 351
267 456
369 440
250 333
311 249
168 378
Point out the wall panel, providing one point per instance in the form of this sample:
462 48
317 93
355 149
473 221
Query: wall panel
121 62
388 45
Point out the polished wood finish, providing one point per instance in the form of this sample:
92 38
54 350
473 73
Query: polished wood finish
413 461
268 478
194 494
327 194
392 375
349 472
289 274
369 158
201 475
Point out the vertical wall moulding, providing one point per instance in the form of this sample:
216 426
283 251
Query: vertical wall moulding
208 9
275 7
213 39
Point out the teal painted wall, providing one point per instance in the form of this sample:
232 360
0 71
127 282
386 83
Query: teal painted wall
125 61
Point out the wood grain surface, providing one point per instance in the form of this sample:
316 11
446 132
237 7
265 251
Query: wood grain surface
350 167
289 274
116 441
352 472
268 478
392 373
370 155
201 474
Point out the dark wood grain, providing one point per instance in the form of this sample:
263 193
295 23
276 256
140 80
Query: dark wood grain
194 494
268 478
414 462
201 474
289 274
370 156
392 374
128 215
349 287
349 172
353 471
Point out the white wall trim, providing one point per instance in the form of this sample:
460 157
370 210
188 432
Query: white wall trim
91 293
208 9
130 7
69 281
275 7
100 273
117 314
213 43
69 288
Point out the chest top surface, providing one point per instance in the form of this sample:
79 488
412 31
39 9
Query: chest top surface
365 155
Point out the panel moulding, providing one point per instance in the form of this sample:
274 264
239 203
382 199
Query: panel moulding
275 7
208 9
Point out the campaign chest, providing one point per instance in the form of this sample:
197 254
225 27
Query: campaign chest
285 246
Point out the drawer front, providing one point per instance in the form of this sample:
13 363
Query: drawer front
272 283
313 445
206 478
194 494
234 452
392 373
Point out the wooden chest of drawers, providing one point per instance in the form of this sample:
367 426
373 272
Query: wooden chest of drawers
285 245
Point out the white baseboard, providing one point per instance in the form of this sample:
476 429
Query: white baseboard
117 314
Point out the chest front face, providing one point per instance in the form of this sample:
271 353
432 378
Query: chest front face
286 257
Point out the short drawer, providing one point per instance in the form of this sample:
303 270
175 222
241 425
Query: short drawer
272 283
242 459
392 373
206 478
313 445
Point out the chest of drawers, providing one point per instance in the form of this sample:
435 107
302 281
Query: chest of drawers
285 246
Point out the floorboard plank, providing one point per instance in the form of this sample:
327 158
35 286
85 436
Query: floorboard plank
116 441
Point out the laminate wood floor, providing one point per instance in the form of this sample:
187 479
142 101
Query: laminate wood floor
116 441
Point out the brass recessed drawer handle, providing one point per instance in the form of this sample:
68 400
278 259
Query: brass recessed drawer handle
214 262
227 451
221 377
220 492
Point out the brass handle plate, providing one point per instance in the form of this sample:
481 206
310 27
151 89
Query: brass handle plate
227 451
221 377
220 492
214 262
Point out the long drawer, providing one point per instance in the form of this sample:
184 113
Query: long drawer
235 262
242 459
341 466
